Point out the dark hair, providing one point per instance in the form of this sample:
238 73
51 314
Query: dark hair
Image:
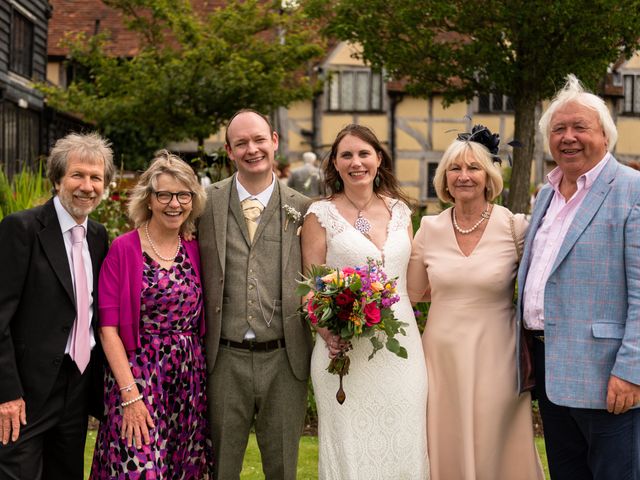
246 110
388 183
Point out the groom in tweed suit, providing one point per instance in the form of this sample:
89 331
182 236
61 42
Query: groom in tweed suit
258 347
580 278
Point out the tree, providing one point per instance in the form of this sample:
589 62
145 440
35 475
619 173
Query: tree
520 48
192 73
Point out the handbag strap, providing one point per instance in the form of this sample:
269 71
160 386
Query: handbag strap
515 237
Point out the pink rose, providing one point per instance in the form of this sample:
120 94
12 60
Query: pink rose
348 271
372 313
311 312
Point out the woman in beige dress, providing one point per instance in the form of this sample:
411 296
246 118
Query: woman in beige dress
464 261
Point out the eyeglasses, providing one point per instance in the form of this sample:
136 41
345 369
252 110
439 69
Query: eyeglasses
165 197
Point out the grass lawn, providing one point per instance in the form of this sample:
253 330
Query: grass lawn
307 461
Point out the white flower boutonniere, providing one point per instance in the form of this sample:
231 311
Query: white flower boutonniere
291 215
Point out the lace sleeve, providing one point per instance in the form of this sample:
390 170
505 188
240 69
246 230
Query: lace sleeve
400 215
327 216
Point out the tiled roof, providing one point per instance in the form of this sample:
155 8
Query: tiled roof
92 16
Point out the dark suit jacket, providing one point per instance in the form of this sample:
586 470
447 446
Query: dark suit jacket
37 306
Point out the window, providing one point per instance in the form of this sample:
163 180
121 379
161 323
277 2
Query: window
631 94
19 138
431 173
355 91
21 54
494 102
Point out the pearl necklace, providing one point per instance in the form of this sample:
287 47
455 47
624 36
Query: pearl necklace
362 224
155 250
483 216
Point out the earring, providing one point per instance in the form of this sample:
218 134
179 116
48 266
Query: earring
337 185
377 180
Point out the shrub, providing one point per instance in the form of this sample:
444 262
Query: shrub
25 189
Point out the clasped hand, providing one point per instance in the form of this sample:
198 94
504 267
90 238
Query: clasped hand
335 343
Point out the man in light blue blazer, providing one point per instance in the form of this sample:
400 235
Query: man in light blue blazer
580 284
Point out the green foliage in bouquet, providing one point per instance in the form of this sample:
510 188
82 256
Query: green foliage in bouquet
353 303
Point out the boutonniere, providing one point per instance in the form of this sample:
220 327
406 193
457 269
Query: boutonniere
291 215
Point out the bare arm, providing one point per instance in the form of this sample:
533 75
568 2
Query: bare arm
417 279
314 242
314 252
136 420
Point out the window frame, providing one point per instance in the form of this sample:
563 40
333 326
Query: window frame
431 173
634 100
335 91
507 105
18 64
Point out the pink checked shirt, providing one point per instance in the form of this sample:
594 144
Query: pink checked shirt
548 240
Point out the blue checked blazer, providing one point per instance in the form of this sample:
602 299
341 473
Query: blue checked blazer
592 296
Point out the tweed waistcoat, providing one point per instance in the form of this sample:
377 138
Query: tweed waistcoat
251 297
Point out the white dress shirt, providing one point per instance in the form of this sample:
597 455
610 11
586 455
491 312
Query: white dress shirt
67 222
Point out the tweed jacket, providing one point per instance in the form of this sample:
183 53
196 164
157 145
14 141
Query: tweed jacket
212 236
592 296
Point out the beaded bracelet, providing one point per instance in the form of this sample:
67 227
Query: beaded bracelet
128 388
133 400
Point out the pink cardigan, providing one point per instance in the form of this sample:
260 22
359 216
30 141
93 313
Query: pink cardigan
120 286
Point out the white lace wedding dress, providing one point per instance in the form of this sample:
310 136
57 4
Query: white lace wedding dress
379 432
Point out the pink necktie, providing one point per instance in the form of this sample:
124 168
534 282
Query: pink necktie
80 343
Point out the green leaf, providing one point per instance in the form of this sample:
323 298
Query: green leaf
302 289
377 345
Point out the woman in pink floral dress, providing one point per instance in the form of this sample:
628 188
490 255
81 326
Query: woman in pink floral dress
150 304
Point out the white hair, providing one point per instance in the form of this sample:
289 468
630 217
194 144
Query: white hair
574 92
309 158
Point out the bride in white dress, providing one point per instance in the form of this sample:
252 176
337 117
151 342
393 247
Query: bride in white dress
379 432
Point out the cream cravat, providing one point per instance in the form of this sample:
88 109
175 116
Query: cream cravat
251 208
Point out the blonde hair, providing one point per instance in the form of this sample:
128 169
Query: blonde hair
574 92
459 149
170 164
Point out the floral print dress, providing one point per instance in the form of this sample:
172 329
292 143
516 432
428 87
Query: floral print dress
170 371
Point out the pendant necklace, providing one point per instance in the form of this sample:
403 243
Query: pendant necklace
483 216
362 224
155 250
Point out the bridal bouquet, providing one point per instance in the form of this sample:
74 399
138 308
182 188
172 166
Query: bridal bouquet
353 302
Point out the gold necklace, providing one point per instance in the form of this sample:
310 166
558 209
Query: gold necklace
362 224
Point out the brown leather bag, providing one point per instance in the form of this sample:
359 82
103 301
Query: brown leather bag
527 371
